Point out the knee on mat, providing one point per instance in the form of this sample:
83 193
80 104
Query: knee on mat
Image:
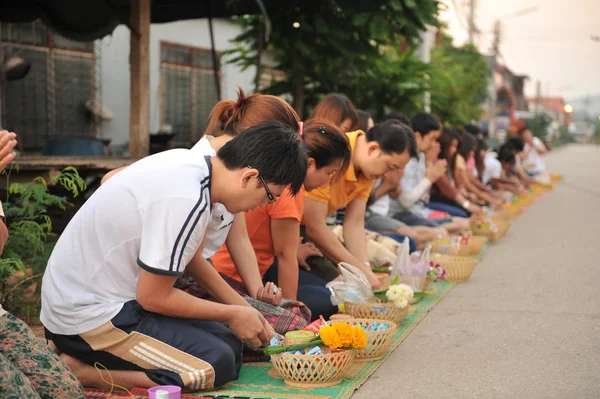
228 362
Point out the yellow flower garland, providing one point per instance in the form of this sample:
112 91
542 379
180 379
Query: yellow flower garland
345 332
330 337
359 339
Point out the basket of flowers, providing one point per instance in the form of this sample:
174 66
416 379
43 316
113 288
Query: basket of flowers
321 362
457 268
492 228
461 245
436 272
392 304
379 337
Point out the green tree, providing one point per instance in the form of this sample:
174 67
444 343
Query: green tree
394 81
458 84
539 124
327 45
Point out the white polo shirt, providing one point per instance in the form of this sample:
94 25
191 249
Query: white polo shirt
152 215
221 218
534 157
382 205
493 168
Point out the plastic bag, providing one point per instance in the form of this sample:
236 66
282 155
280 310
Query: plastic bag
352 285
412 269
402 264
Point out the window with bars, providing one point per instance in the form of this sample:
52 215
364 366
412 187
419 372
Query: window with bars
50 100
188 90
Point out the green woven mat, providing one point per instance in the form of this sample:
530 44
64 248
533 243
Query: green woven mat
256 382
479 256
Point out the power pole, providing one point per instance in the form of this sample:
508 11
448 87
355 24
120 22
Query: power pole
472 28
492 102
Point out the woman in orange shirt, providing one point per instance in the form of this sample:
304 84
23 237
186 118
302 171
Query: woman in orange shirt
274 230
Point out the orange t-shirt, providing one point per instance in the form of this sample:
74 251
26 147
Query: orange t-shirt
258 223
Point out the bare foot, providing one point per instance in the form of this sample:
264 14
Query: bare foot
90 377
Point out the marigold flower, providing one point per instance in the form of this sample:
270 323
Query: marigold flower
345 332
359 339
330 337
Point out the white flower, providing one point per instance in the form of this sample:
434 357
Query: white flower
393 292
406 291
401 294
401 302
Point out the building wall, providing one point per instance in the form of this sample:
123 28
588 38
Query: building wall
115 69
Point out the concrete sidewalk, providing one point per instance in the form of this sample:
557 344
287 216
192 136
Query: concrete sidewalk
527 323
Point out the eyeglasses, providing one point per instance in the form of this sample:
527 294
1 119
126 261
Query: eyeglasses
270 195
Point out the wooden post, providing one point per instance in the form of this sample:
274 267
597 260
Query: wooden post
139 63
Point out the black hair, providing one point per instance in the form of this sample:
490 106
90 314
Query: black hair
399 116
424 123
336 108
274 149
449 134
363 119
467 144
393 136
506 154
473 129
325 143
516 143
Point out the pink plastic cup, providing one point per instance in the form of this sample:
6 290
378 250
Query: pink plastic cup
174 391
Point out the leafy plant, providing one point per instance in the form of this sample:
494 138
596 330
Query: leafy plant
539 124
394 81
30 236
459 81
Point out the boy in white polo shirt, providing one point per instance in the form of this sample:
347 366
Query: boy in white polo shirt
107 294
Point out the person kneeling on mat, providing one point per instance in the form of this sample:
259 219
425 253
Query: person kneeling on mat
107 293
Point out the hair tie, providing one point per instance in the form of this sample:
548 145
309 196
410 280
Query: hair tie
301 128
322 130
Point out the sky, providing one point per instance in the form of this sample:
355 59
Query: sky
551 44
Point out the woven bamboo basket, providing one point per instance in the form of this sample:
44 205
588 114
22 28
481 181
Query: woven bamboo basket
298 337
508 213
378 342
502 227
481 228
494 229
477 244
313 371
426 283
458 268
445 246
384 310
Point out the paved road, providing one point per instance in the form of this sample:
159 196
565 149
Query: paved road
527 324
